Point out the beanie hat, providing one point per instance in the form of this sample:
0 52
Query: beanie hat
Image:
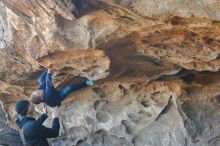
22 107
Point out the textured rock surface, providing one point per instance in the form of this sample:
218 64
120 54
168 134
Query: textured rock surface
156 65
8 136
208 9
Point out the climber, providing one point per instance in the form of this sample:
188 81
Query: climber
49 95
32 132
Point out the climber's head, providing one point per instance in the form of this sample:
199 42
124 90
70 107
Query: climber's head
37 97
24 107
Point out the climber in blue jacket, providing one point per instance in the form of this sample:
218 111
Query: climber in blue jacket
31 130
49 95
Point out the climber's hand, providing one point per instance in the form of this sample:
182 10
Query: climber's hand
90 83
56 112
44 109
49 71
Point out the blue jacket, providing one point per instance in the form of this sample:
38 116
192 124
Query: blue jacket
51 96
35 134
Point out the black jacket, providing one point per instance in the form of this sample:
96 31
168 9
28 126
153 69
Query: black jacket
35 134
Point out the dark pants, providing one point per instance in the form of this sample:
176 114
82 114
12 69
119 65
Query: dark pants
68 89
62 92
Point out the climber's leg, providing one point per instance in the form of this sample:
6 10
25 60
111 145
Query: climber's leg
68 89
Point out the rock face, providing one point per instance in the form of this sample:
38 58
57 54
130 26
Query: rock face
8 136
158 9
155 63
